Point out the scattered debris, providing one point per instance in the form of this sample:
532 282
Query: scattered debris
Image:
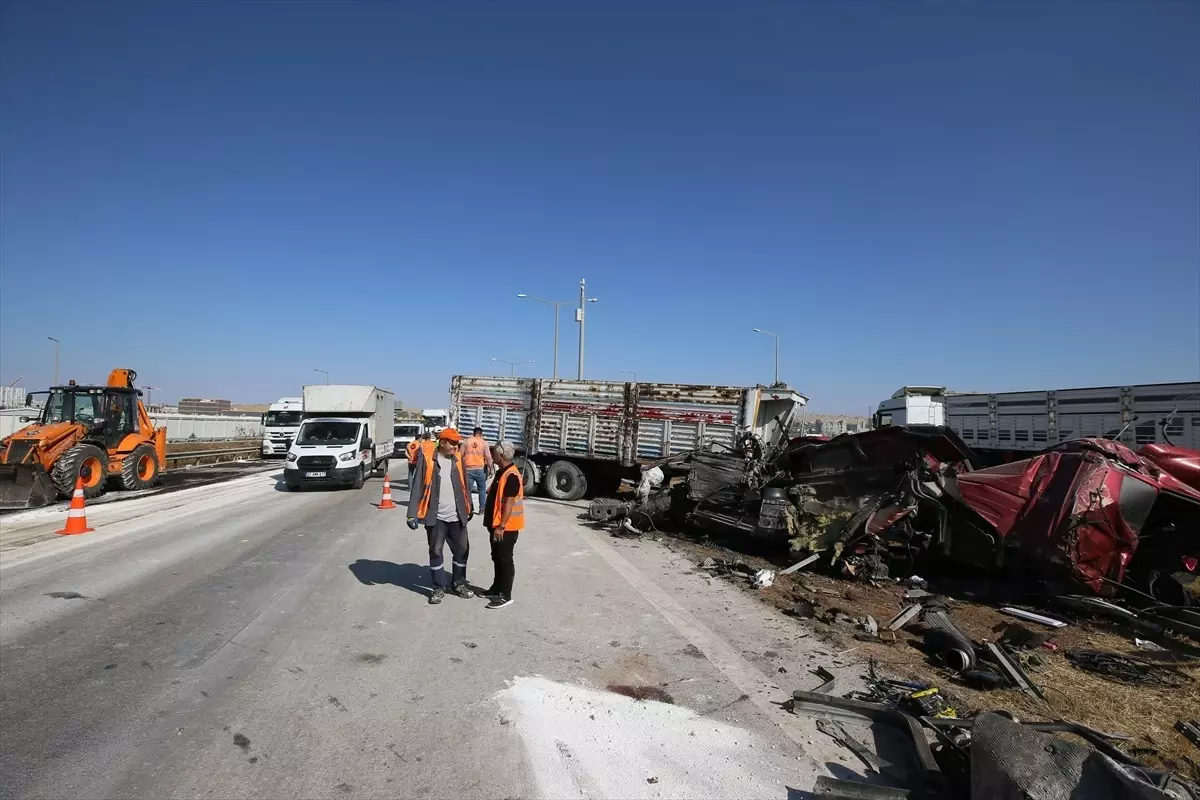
763 578
1190 730
904 617
828 677
801 564
1124 669
803 609
651 780
1029 616
1012 669
917 594
870 626
1017 635
916 582
1146 644
835 730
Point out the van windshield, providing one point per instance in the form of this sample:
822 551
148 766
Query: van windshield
406 430
328 433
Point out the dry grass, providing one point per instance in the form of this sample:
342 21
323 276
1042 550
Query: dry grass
1147 714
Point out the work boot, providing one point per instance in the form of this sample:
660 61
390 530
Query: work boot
462 591
436 596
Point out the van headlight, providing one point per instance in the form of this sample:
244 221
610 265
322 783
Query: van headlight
348 456
291 457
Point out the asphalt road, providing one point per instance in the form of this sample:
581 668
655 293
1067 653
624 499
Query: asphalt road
242 641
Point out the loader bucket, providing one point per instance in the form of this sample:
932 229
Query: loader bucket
25 486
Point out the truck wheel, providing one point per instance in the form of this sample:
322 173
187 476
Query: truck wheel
529 475
139 470
83 460
564 481
361 477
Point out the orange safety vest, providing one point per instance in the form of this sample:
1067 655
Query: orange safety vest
429 448
412 449
475 457
427 489
516 520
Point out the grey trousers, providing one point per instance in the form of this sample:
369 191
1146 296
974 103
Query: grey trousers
455 535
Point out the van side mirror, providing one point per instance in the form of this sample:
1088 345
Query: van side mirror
27 419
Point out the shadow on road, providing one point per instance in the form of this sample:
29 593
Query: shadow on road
414 577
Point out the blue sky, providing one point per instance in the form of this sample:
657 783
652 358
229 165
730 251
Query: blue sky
226 196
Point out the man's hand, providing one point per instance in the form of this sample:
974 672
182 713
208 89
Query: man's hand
470 516
498 535
413 524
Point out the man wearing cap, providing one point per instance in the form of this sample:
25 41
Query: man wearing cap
477 458
439 500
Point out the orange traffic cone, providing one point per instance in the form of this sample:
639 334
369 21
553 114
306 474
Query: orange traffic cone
387 494
76 516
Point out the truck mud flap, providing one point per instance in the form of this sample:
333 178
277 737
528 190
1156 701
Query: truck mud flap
25 486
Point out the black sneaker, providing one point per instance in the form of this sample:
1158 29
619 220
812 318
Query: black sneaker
436 596
500 601
462 591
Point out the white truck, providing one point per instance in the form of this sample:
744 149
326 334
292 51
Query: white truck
344 437
575 434
1007 426
404 432
280 424
435 418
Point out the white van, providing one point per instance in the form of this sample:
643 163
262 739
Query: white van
346 436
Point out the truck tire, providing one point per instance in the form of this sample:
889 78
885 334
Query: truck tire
529 475
361 477
68 467
139 470
564 481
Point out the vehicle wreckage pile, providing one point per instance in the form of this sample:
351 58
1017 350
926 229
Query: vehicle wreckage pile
1087 514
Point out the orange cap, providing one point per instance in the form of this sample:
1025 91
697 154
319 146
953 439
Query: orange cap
450 434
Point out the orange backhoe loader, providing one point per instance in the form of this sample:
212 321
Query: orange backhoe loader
94 432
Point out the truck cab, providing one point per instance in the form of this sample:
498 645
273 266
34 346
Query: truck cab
435 418
405 432
280 424
912 405
331 451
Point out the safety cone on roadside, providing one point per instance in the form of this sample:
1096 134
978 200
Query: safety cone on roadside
76 516
387 494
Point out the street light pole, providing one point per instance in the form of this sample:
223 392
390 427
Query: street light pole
629 372
150 394
556 307
776 337
512 365
56 346
326 375
579 317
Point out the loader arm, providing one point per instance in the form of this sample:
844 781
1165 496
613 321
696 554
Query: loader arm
123 378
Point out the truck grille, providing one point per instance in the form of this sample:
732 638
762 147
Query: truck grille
316 462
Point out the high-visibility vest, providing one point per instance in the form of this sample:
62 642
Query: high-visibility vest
475 457
516 520
427 489
429 448
412 449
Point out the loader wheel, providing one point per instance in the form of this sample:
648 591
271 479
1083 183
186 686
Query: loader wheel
86 461
139 470
564 481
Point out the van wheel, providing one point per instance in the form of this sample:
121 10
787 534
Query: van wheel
564 481
361 477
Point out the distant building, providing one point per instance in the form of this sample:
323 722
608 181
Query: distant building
249 408
12 397
199 405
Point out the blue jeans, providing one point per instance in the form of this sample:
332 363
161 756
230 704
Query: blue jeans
477 480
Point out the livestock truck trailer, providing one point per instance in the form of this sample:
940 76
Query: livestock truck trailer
572 435
1008 426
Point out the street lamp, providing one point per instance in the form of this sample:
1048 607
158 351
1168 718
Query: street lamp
583 300
56 347
556 306
512 365
150 394
628 372
326 373
776 335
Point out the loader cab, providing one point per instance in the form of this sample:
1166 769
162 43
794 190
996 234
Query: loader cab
109 414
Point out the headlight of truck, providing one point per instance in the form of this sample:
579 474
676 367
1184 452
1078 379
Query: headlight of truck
348 456
291 457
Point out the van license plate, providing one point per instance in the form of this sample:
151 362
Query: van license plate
314 474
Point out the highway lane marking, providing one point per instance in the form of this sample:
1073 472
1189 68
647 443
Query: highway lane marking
728 661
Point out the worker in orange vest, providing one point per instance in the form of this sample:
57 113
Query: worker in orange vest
477 458
504 515
411 450
439 500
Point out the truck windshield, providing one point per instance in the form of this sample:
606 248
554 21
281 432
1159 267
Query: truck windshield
283 419
328 433
72 407
406 430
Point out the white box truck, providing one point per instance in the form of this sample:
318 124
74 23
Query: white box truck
280 424
344 437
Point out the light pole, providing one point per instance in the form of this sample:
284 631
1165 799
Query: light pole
628 372
583 300
56 346
556 306
512 365
326 374
776 336
150 394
